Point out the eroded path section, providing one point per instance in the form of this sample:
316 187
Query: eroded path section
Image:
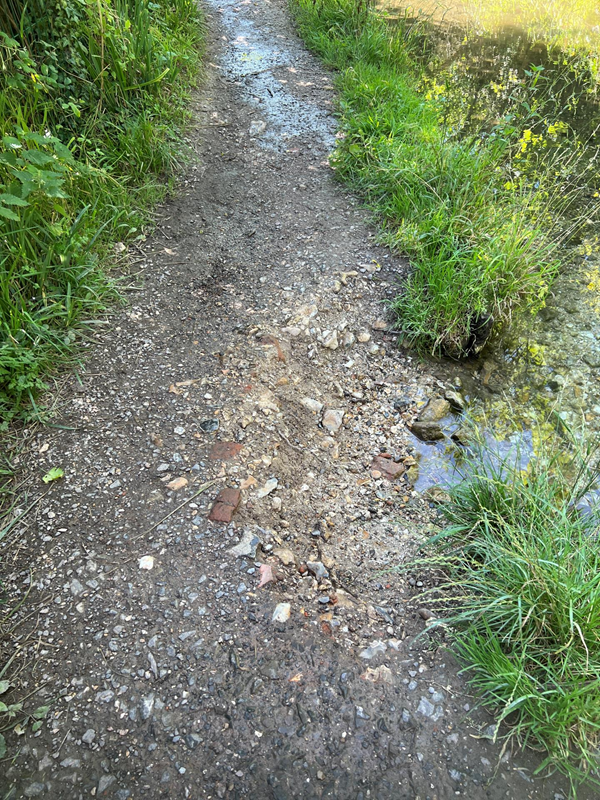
208 612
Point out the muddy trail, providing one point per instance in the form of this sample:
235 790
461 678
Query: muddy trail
243 422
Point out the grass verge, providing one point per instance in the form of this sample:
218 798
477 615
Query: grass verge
480 233
521 584
93 97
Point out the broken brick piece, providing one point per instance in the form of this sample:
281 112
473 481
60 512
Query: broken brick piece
388 468
225 505
224 451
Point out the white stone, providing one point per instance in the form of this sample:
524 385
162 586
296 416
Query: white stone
282 612
312 405
269 487
330 340
375 648
332 419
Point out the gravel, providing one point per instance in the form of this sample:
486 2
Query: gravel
168 671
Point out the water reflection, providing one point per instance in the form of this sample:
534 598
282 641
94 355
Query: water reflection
544 372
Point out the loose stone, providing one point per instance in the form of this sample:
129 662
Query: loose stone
282 612
333 419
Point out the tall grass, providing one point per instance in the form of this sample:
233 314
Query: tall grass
479 227
92 102
521 591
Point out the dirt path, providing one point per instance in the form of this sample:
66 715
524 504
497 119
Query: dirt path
260 313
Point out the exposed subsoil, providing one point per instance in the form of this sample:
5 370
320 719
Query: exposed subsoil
169 672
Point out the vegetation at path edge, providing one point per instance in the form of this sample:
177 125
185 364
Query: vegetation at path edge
92 100
519 586
481 214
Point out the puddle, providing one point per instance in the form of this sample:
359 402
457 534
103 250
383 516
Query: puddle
440 464
265 69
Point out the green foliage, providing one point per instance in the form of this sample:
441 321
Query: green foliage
9 712
481 240
523 568
53 475
92 98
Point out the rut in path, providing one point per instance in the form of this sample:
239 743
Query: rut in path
253 365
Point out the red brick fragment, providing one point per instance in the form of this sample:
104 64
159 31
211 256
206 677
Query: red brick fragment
224 451
225 505
388 468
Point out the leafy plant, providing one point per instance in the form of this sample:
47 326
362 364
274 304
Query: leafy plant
89 125
13 717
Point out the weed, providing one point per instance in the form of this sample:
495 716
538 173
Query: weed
522 596
92 100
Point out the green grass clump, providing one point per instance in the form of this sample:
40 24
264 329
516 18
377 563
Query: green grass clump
522 569
93 97
479 243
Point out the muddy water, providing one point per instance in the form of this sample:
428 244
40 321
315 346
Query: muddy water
262 66
542 376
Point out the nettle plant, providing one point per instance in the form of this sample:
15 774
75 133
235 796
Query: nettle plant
44 259
13 718
92 99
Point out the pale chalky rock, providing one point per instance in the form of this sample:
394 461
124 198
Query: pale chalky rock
332 419
282 612
312 405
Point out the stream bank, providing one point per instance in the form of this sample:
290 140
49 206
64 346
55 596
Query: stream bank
537 378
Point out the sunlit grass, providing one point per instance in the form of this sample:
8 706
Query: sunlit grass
480 240
569 24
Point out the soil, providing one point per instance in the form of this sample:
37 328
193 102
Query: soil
251 392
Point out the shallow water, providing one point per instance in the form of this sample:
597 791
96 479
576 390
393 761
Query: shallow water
542 376
263 65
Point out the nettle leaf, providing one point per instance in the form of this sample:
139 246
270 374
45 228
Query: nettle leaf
8 214
38 138
54 190
27 184
9 158
37 157
11 142
36 726
13 200
3 707
41 712
53 475
63 151
8 41
4 686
